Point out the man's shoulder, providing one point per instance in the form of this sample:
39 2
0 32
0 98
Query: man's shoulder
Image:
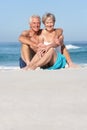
25 32
59 30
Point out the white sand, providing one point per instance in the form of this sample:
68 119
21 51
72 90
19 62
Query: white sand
43 100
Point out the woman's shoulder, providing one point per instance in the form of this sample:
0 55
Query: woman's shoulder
43 31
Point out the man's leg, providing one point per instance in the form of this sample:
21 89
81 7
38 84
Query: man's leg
26 54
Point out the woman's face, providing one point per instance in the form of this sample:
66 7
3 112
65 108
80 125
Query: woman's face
49 24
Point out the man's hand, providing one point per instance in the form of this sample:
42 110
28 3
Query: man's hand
41 49
56 41
41 52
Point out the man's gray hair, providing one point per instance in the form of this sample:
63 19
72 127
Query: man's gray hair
34 16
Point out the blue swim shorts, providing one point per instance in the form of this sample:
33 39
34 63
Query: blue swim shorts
21 63
60 62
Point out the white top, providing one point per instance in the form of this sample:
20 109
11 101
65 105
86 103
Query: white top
57 49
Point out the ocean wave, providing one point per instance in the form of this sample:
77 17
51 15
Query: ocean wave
70 46
9 68
83 65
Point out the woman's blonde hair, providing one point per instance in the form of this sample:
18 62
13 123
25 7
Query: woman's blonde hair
48 15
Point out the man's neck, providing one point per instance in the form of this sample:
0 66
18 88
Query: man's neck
35 32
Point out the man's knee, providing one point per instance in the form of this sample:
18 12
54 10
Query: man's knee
25 47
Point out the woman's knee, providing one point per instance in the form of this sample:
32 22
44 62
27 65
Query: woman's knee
51 50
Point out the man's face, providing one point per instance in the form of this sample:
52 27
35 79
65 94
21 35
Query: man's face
35 24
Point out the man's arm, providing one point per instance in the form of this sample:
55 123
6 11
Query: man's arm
58 40
66 54
64 50
24 38
59 32
68 58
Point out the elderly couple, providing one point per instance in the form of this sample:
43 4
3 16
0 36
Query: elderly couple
43 48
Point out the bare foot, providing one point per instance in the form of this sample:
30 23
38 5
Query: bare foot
26 68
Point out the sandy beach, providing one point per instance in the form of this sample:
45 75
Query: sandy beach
43 100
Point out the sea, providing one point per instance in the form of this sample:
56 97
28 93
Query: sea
10 53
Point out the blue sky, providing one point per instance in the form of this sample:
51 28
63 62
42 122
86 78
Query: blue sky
70 15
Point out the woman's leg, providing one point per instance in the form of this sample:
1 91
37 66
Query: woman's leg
50 56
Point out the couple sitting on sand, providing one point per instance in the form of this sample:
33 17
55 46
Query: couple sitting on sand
43 48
